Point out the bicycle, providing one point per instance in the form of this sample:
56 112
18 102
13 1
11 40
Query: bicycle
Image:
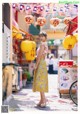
73 91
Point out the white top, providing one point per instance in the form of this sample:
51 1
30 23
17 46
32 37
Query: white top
51 61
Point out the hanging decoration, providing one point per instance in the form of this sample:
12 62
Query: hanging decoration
41 21
76 36
54 21
28 9
73 25
29 19
67 20
40 8
74 9
61 11
14 6
55 12
34 9
21 8
29 48
69 42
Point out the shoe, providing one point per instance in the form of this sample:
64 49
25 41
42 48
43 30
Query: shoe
43 105
38 104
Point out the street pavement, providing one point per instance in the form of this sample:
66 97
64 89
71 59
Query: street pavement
26 99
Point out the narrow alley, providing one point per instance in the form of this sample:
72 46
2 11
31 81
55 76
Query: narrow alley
25 99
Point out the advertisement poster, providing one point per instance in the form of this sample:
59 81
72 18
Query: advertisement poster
39 55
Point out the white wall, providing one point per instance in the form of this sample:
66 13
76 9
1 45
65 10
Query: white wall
6 45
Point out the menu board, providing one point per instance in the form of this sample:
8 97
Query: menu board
67 75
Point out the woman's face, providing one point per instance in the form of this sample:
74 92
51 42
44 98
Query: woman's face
42 38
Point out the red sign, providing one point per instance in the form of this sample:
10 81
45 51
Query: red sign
66 63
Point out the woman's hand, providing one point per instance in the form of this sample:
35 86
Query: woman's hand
35 68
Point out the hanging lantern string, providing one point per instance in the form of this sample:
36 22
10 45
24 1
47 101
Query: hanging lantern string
42 7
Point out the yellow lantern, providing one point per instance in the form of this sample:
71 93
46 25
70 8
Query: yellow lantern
16 33
19 36
41 21
30 56
29 19
76 36
26 45
69 42
54 21
67 46
67 20
29 47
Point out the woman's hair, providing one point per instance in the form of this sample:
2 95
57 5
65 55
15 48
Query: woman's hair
43 34
51 57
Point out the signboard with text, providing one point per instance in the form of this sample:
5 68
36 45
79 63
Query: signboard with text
67 75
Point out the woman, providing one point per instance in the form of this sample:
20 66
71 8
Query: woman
40 82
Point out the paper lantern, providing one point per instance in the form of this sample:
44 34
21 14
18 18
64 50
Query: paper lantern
61 12
40 10
21 8
16 33
67 20
54 21
69 42
29 19
67 46
28 9
19 36
29 47
41 21
76 36
14 7
34 9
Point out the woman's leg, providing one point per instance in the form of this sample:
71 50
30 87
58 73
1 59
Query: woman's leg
43 99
